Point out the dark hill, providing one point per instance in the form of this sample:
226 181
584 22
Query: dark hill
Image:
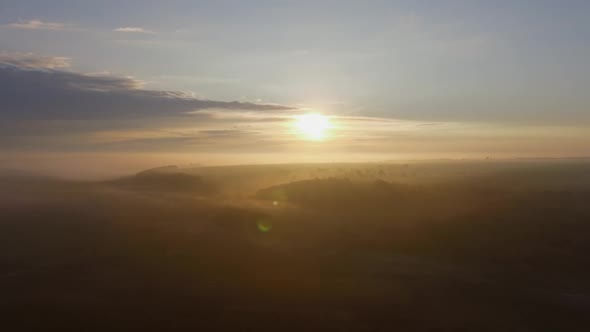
165 182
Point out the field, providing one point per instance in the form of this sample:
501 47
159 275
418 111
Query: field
413 246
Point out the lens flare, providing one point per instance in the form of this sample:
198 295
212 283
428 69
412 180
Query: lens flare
264 226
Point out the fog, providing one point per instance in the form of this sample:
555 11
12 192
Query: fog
422 246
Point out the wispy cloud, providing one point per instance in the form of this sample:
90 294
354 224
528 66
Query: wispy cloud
31 60
134 30
37 25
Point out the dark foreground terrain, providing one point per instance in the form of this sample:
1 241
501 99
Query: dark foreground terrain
439 246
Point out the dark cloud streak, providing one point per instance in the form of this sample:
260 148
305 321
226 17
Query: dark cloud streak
44 107
41 93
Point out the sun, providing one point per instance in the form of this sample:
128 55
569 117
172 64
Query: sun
312 126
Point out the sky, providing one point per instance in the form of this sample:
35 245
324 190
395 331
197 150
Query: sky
96 88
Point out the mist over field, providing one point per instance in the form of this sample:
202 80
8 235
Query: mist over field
308 165
417 246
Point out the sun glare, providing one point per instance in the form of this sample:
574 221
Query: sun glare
312 126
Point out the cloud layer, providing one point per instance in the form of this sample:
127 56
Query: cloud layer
32 87
43 105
